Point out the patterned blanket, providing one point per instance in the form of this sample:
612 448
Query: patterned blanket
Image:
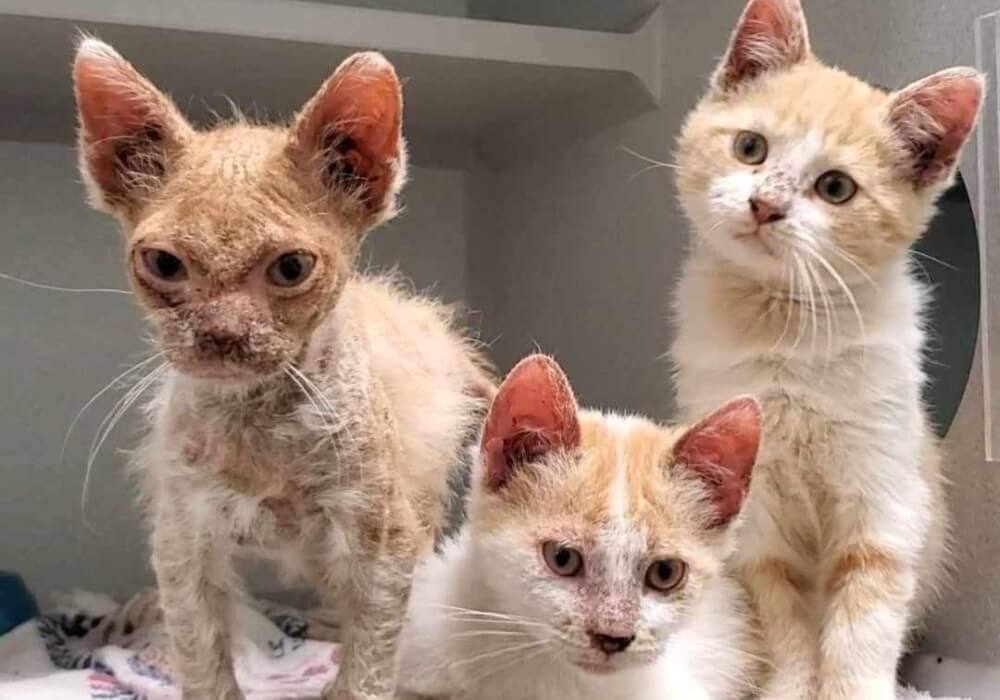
90 648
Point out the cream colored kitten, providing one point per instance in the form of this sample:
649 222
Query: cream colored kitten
304 413
806 187
593 565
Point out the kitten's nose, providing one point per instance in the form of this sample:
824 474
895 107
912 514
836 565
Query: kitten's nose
609 644
766 212
220 342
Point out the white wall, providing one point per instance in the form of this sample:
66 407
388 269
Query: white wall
57 350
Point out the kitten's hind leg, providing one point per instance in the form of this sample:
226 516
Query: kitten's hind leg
195 580
776 591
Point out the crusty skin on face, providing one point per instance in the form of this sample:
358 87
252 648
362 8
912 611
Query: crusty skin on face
813 309
306 413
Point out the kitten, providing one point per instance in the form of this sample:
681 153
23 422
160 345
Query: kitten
304 412
806 187
593 562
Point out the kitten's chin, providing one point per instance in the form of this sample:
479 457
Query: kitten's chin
754 255
225 375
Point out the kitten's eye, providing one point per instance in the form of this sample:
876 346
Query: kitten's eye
836 187
163 265
291 269
750 147
564 561
666 575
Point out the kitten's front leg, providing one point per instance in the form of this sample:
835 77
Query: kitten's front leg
377 591
194 580
869 588
776 591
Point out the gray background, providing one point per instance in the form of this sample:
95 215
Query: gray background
563 249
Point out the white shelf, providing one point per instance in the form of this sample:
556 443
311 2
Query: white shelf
466 79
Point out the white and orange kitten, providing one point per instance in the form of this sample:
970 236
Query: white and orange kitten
806 188
593 564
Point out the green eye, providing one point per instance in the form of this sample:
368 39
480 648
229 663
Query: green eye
564 561
836 187
666 575
750 148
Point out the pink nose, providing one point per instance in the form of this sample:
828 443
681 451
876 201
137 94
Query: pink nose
766 212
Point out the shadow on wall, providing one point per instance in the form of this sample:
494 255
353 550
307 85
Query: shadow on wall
948 258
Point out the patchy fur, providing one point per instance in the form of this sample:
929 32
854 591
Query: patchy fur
814 310
489 620
311 415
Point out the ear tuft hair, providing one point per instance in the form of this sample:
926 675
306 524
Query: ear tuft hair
771 35
933 119
128 130
350 135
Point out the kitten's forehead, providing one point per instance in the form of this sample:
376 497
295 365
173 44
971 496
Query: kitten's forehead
815 99
233 197
624 475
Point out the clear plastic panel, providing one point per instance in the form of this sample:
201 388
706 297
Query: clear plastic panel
988 215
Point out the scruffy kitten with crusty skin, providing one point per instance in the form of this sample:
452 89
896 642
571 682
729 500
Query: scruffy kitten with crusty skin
305 413
806 187
593 564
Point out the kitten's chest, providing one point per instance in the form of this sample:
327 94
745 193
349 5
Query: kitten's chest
270 471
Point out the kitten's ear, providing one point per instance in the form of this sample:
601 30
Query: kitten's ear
533 413
350 135
771 34
721 450
129 130
934 118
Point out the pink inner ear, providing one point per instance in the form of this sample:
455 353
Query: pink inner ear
533 412
109 96
722 450
771 34
124 120
360 108
935 117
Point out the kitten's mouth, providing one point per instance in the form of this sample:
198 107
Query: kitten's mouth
219 371
600 668
758 239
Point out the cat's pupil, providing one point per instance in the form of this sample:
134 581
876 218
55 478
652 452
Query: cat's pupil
665 570
563 558
750 147
167 265
291 267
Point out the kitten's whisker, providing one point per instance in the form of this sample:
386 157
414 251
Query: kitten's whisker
289 371
56 288
940 262
853 263
493 633
643 171
787 272
798 305
847 293
107 387
808 281
517 660
828 308
493 653
109 423
652 161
